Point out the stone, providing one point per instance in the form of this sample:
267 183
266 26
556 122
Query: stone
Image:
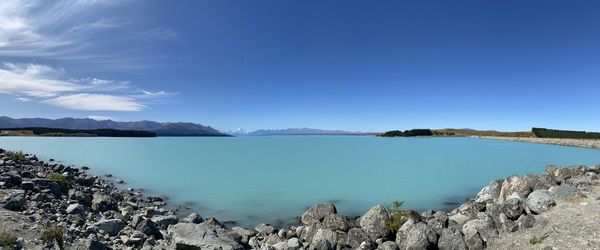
485 227
163 221
356 236
192 218
103 203
373 222
336 222
242 234
513 208
189 236
473 241
324 239
293 243
506 224
438 221
514 184
148 227
95 245
45 184
491 192
563 192
451 239
317 213
388 245
540 201
111 227
264 229
75 208
526 221
420 236
14 201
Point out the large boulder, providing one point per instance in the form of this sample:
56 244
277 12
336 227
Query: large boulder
324 239
388 245
336 222
540 201
148 227
563 192
485 227
491 192
438 221
243 234
14 201
513 208
420 236
473 241
356 237
373 222
317 213
189 236
193 218
163 221
110 227
451 239
515 184
103 203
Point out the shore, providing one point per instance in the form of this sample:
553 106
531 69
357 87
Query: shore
580 143
46 204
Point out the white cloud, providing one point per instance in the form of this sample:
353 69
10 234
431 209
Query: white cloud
97 102
99 118
48 85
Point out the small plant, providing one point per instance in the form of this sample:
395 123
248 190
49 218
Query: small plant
537 240
397 216
60 180
7 239
18 156
53 234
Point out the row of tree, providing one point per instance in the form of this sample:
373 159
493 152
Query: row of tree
554 133
408 133
89 132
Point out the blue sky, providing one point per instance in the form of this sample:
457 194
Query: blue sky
354 65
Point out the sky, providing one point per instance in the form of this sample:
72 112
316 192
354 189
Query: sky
351 65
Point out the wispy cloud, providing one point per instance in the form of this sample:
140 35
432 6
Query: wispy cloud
48 85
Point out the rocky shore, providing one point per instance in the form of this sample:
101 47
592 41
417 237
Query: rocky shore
580 143
45 205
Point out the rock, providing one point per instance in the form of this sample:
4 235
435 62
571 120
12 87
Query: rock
438 221
27 185
95 245
111 227
242 234
420 236
373 222
540 201
264 229
293 244
189 236
484 227
473 241
388 245
459 219
491 192
402 232
324 239
356 236
526 221
103 203
336 222
562 192
317 213
506 225
148 228
513 208
75 208
14 201
451 239
45 184
514 184
163 221
192 218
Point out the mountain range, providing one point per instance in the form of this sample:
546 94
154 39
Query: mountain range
160 128
295 131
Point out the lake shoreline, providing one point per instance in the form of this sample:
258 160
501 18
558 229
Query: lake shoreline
94 213
579 143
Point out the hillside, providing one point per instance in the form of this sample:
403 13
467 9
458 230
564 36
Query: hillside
161 129
300 131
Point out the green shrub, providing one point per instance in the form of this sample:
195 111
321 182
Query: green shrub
60 180
18 156
7 239
52 234
537 240
397 216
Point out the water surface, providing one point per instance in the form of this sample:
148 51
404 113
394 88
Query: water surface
264 179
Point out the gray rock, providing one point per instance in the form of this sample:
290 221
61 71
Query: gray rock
388 245
506 224
514 184
473 241
103 203
242 234
148 228
513 208
336 222
192 218
75 208
540 201
45 184
293 243
402 233
526 221
484 227
186 236
563 192
324 239
491 192
438 221
421 236
317 213
111 227
356 236
451 239
264 229
14 201
163 221
373 222
95 245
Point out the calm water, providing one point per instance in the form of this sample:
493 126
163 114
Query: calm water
259 179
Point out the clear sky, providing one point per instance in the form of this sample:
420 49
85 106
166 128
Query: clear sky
353 65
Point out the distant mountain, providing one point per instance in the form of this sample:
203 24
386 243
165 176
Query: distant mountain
161 129
297 131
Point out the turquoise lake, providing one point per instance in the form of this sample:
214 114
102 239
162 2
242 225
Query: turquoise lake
269 179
